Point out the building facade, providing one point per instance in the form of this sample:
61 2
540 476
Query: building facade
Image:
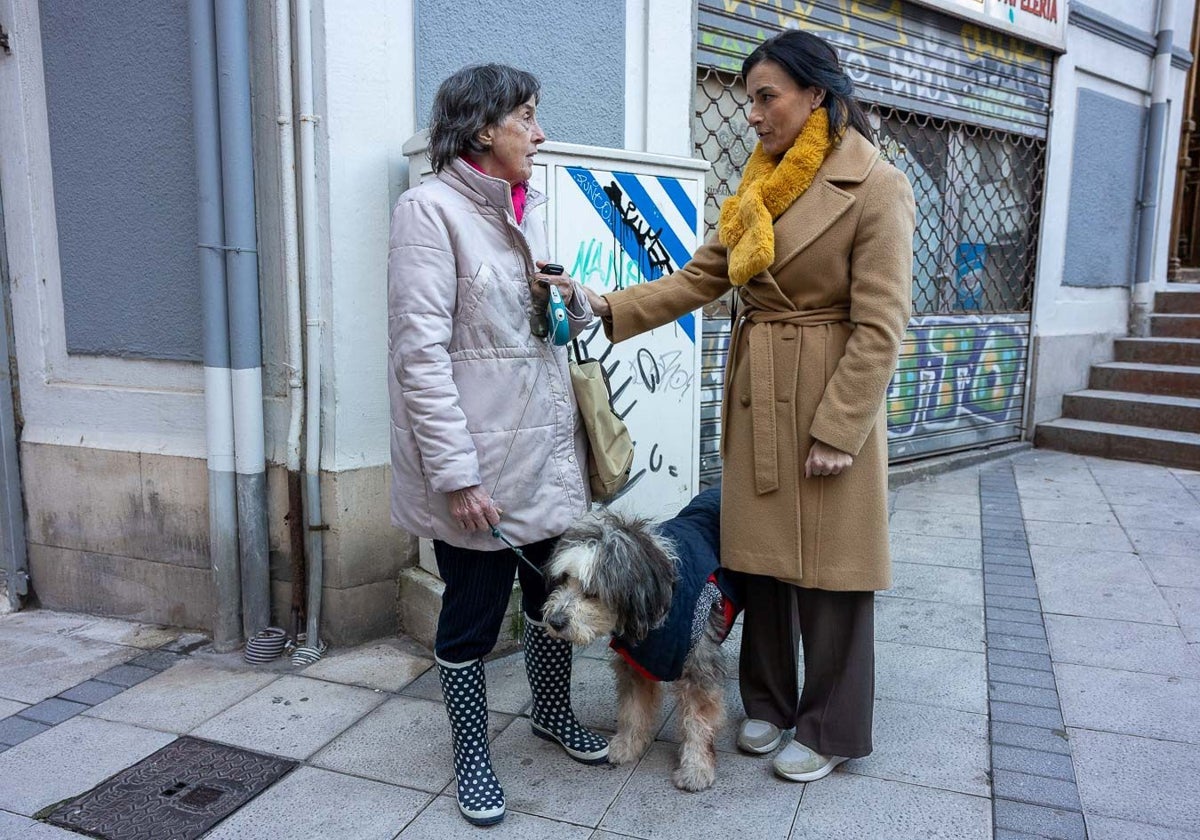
1022 126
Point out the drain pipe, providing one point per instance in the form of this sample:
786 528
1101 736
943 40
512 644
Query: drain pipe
218 389
245 333
291 277
312 333
1142 294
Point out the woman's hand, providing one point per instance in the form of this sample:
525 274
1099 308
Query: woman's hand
600 307
823 459
566 286
473 509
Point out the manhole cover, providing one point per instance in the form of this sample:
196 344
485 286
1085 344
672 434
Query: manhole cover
180 792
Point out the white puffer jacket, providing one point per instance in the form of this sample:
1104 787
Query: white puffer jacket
475 397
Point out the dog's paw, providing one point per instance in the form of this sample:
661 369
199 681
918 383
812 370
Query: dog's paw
694 777
623 750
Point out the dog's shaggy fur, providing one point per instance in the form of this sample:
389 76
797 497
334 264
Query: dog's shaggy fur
614 574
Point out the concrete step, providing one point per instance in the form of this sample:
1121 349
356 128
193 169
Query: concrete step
1158 351
1126 443
1141 378
1175 326
1178 301
1155 411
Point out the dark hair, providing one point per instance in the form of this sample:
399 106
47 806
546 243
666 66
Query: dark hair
469 101
812 62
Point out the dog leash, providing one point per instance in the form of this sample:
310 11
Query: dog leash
498 534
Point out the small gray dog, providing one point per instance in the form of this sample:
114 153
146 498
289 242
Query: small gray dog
661 594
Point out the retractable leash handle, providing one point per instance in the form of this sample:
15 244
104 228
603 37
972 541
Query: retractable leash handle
558 330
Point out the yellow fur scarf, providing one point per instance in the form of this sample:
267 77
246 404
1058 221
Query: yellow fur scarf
768 188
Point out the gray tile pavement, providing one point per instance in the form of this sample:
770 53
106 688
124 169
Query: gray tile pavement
1027 719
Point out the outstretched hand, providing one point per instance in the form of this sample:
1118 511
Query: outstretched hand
824 459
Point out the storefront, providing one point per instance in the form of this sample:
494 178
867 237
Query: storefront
961 104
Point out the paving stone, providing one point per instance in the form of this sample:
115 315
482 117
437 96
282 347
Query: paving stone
372 666
125 675
1008 602
157 660
441 820
404 741
1029 695
926 745
292 717
1091 512
1025 590
1038 790
15 730
1021 676
650 806
52 711
1185 603
1020 659
1107 828
1098 584
936 583
1041 821
310 803
1018 616
1148 705
1026 715
507 685
1021 643
1033 762
936 524
1173 570
1121 645
929 623
850 807
49 769
91 692
183 697
915 497
1077 536
44 665
952 679
1159 517
1009 571
1005 579
1158 541
538 777
1015 628
1137 779
1042 738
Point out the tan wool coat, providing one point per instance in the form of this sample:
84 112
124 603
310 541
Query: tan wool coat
813 349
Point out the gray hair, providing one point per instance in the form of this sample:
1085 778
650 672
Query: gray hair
469 101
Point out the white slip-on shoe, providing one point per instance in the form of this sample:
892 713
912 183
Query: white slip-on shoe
758 736
797 763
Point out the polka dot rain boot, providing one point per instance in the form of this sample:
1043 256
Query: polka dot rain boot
548 664
480 797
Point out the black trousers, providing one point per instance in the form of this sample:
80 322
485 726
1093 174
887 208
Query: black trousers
478 586
834 714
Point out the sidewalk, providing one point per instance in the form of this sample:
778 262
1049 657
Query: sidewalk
1088 572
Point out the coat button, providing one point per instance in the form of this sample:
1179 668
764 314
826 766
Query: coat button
745 399
570 459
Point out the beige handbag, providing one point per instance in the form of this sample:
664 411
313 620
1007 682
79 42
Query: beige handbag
610 447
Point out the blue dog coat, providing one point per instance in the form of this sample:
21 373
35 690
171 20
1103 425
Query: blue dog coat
701 587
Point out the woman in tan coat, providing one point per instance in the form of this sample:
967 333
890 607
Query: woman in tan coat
818 244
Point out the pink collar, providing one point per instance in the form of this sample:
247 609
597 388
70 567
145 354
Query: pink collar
519 191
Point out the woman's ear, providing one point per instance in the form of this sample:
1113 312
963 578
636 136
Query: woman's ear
818 97
484 138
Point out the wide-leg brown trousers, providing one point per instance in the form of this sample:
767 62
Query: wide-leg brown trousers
834 713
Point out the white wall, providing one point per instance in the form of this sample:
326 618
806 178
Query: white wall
660 75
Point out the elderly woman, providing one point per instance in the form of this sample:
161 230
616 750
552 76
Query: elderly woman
818 244
485 431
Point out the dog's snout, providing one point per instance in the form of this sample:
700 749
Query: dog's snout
558 621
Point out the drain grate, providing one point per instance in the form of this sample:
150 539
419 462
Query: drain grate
180 792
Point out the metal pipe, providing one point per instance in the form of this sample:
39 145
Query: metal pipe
312 316
1143 291
245 333
291 277
218 388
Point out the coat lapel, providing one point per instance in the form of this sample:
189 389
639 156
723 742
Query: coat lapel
824 202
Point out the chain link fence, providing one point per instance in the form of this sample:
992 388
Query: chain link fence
978 193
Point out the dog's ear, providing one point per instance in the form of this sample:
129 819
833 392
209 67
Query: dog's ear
635 575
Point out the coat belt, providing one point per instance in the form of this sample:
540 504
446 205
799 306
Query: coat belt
762 324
